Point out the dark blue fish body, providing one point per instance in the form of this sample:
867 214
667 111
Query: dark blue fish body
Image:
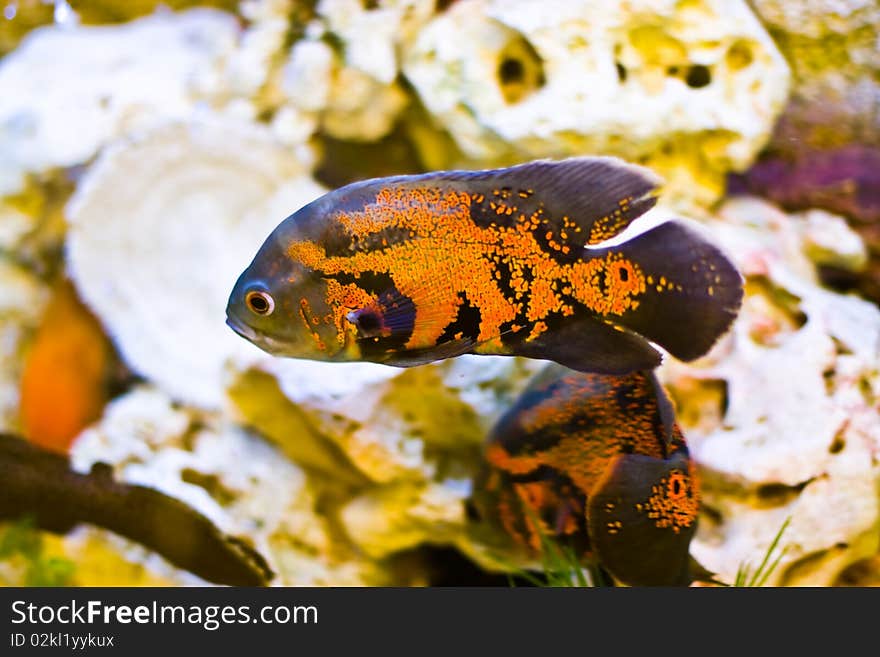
411 269
595 462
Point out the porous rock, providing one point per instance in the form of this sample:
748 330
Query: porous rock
407 442
22 299
373 35
392 423
76 88
244 485
781 416
160 228
834 105
350 92
825 149
247 68
692 89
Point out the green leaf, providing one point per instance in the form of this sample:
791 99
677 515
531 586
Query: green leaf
21 538
744 576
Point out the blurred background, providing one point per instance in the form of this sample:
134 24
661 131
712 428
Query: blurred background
147 149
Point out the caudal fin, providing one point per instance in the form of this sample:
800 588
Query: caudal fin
692 291
642 515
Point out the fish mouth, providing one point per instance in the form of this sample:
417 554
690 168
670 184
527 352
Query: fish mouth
241 329
268 344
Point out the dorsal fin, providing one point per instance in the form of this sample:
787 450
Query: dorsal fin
665 410
582 200
572 202
590 199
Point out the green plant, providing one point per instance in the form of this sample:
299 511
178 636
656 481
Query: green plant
744 576
561 566
23 542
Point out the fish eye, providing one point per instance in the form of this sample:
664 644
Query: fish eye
259 302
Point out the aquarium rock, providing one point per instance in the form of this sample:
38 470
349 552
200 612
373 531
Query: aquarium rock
825 150
404 442
782 417
341 77
77 88
22 299
244 485
691 89
160 227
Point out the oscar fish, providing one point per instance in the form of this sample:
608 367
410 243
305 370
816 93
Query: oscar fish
598 463
407 270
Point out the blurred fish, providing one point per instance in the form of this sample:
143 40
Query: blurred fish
38 483
68 371
411 269
597 463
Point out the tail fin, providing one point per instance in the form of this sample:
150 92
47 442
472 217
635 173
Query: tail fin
692 290
641 517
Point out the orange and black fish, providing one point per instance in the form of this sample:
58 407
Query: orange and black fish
411 269
597 463
41 484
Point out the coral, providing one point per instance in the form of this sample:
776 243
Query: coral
692 88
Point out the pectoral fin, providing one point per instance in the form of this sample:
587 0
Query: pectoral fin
392 315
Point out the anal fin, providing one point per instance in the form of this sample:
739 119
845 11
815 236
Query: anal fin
592 346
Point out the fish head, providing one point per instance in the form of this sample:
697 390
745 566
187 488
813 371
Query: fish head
281 305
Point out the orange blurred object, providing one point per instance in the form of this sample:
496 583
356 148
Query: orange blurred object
67 372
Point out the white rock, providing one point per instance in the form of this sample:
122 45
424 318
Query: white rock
352 94
829 240
513 80
22 300
795 428
372 36
361 109
307 75
160 228
67 91
393 424
131 428
391 518
818 18
245 486
249 66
